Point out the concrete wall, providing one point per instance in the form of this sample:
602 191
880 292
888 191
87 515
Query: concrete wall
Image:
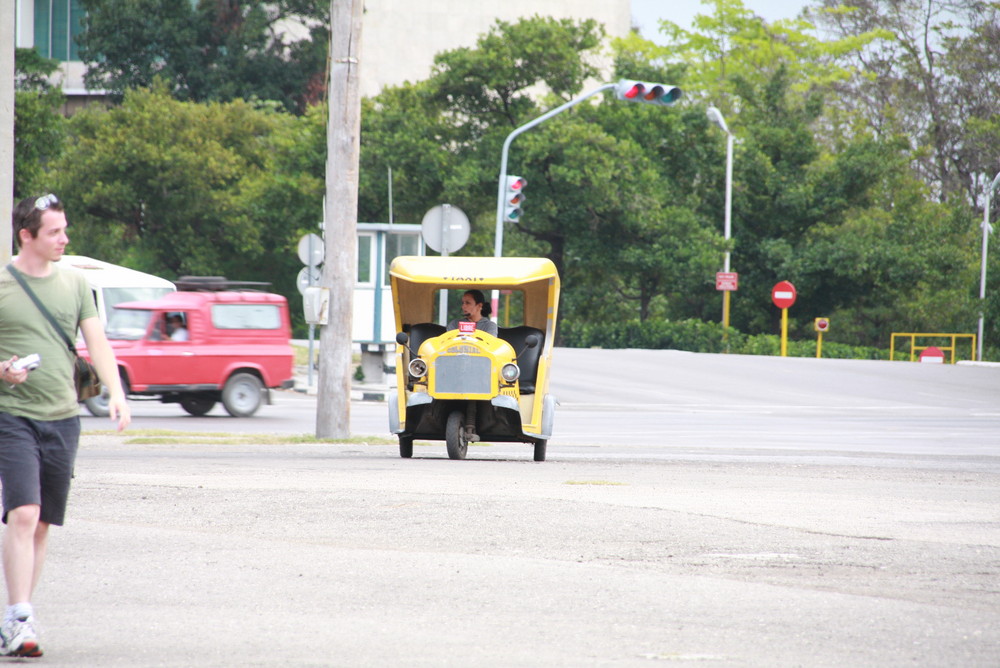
400 38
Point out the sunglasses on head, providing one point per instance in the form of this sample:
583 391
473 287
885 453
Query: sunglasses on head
45 201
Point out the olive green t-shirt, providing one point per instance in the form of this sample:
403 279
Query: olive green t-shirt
48 393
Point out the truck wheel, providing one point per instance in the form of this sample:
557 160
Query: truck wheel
197 405
454 435
98 404
405 447
242 395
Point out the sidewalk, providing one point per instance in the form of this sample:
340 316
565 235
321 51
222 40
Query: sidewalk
366 390
360 391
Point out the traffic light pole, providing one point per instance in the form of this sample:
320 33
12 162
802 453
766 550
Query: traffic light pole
645 92
498 238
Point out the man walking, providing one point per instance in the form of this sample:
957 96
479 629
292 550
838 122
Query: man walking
39 412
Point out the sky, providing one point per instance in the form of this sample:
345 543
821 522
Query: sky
647 13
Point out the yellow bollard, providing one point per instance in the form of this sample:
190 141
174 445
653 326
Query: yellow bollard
820 325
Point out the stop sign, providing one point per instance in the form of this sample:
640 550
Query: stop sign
783 294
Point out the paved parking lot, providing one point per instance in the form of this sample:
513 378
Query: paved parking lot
345 555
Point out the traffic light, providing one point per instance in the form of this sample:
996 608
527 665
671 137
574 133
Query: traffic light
647 92
513 198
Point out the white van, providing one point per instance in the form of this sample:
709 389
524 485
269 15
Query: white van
113 284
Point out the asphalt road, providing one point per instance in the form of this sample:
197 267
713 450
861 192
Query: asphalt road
656 404
695 510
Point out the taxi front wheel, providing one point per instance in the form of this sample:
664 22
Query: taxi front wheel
454 434
405 447
540 445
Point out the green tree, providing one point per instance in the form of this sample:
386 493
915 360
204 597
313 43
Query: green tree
404 129
215 50
284 200
888 259
935 77
730 42
594 195
820 198
491 86
38 126
154 183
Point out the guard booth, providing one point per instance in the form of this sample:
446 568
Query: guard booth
374 325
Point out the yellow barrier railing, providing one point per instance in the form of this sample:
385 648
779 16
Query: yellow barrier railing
914 348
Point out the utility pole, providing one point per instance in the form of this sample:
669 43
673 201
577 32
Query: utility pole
340 216
6 128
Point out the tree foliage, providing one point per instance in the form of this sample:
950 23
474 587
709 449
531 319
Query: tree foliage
154 182
934 77
38 126
846 181
215 50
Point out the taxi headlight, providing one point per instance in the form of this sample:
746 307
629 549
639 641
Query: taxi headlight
418 368
510 372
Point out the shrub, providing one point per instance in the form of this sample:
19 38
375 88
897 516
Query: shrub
700 337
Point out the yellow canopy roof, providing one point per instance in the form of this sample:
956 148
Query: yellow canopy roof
456 272
416 280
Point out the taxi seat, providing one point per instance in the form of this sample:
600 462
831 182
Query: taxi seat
527 358
422 331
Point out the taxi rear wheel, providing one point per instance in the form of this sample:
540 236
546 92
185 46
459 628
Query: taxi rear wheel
405 447
454 434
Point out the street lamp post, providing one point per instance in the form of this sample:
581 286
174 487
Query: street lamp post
982 276
715 116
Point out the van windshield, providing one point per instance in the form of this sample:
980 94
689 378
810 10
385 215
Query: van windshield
128 324
115 296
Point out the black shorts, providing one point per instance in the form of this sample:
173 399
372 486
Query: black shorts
36 464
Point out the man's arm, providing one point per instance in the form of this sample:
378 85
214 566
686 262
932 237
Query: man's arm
103 359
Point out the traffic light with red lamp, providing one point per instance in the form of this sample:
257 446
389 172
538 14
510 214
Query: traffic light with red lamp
513 198
647 92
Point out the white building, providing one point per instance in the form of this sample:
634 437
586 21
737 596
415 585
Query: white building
399 38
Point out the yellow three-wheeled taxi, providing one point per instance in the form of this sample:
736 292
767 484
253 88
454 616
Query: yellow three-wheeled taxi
463 387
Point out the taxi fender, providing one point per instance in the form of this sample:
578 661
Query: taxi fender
393 398
419 399
548 415
505 401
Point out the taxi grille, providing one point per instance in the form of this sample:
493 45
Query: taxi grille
462 374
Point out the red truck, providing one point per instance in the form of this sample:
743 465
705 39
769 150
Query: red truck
197 348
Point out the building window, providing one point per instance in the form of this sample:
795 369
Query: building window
57 24
399 244
366 252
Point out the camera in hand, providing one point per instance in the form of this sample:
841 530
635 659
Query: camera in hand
29 362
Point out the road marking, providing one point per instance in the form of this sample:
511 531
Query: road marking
756 556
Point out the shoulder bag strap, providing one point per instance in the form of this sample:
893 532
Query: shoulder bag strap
41 307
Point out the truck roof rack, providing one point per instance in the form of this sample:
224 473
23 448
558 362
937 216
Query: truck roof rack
218 284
